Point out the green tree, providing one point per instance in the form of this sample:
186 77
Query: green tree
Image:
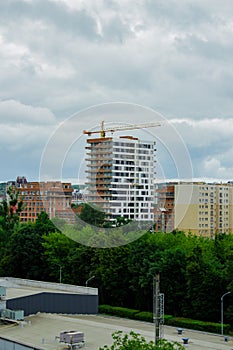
173 279
81 266
203 281
228 286
92 215
113 277
24 253
24 256
44 225
144 261
134 341
10 210
57 251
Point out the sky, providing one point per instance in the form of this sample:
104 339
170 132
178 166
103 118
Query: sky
66 65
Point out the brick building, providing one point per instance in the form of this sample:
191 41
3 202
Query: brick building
53 197
164 208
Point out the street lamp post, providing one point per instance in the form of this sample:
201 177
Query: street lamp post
89 280
60 268
222 310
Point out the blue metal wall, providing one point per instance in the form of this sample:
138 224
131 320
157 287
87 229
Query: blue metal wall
55 303
12 345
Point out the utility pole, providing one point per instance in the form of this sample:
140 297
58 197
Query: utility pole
156 307
60 269
161 315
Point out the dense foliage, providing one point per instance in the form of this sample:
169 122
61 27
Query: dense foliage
134 341
169 320
194 272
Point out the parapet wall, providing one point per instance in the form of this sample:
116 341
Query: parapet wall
12 282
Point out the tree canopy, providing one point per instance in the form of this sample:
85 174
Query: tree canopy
134 341
194 271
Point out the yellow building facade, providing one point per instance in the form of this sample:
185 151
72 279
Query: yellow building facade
203 209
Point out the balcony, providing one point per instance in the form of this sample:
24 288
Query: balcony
100 165
97 158
95 152
98 188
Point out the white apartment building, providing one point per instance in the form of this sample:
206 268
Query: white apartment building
203 209
120 176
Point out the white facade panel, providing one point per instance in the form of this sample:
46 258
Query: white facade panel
120 177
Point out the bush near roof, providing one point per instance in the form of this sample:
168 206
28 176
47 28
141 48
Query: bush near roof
168 319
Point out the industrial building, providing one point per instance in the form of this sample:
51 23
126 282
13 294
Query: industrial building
37 296
20 298
41 332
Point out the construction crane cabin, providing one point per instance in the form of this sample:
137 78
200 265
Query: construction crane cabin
120 173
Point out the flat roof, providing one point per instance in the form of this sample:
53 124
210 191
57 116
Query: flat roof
16 287
43 330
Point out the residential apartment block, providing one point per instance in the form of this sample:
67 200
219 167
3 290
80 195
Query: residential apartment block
54 197
120 176
164 208
200 208
204 209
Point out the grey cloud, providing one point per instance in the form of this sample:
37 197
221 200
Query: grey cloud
207 48
207 139
57 14
188 14
14 112
174 56
116 31
178 13
110 68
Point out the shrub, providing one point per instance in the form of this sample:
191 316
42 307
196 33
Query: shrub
105 309
168 319
124 312
118 311
134 341
197 325
144 316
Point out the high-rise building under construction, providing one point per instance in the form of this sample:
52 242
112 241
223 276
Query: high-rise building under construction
120 176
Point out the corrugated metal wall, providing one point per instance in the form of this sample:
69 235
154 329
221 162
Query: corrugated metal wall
55 303
11 345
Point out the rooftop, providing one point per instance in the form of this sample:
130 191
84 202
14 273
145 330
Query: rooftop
16 287
43 330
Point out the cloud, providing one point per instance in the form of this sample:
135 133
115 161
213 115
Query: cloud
24 131
112 51
214 166
60 56
209 142
14 112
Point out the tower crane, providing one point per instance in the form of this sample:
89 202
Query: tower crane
104 130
